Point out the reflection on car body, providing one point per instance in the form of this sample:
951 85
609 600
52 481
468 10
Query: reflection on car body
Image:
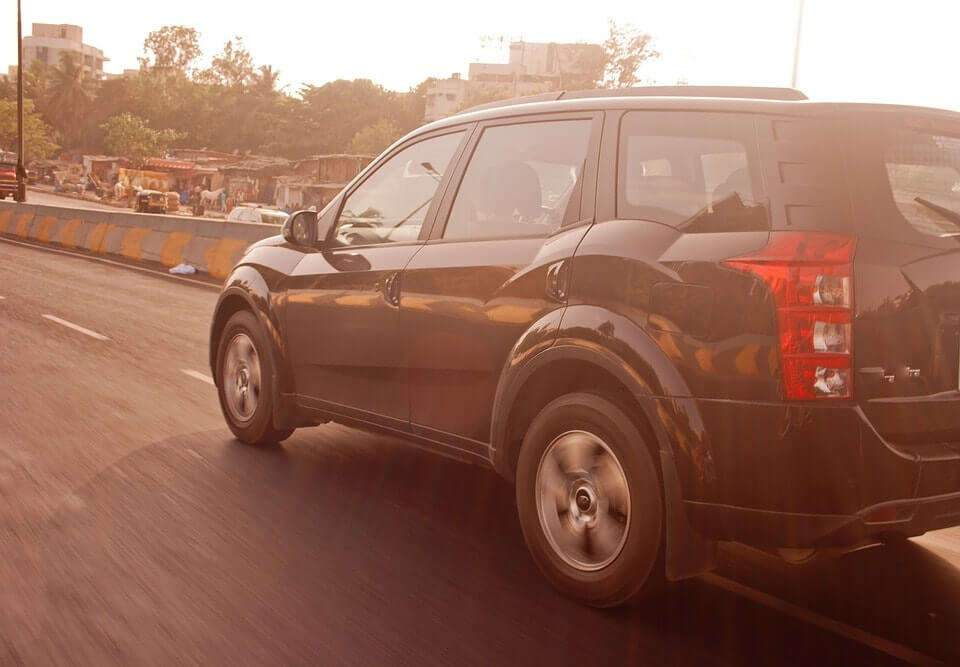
671 321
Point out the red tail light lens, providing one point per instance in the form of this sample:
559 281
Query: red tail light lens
811 277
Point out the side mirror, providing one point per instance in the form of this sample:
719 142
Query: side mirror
301 228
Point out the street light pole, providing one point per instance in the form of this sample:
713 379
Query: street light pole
21 172
796 50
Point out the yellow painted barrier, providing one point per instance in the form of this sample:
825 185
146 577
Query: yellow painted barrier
22 222
43 231
68 235
141 238
171 252
97 236
220 257
131 245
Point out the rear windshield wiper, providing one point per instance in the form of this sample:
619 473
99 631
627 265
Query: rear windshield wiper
952 216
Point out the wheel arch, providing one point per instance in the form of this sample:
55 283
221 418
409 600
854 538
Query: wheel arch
579 360
246 289
560 369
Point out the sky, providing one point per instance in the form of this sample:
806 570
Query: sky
851 50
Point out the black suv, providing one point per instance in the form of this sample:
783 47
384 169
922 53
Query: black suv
673 317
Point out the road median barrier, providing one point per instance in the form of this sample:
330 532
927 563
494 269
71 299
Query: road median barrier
212 246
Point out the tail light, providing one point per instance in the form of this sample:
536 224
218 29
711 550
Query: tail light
811 277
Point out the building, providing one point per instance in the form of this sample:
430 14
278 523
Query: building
49 40
532 68
126 74
318 179
445 97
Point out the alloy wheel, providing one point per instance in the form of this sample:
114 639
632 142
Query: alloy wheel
583 500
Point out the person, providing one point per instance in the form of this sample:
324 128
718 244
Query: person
196 202
223 201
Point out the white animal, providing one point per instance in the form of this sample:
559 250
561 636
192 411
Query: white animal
210 197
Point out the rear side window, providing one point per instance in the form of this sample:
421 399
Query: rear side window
522 181
695 171
924 172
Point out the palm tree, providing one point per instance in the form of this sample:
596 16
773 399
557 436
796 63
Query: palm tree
69 98
266 82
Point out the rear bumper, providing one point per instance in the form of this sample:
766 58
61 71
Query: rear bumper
905 518
806 475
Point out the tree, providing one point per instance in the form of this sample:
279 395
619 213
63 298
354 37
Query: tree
625 50
477 95
334 112
265 83
36 81
171 50
37 141
68 99
232 67
132 137
373 139
8 87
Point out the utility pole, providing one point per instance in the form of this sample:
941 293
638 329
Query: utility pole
21 171
796 51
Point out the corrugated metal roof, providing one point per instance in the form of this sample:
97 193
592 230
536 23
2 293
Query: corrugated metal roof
170 164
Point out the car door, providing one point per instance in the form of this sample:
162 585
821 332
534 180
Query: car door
342 300
493 265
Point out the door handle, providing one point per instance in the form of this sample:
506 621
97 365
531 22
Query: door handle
391 288
558 278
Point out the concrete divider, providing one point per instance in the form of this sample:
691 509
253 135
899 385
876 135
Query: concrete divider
212 246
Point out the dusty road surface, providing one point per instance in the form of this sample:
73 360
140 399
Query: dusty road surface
134 529
50 199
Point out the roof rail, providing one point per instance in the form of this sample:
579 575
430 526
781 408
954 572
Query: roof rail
742 92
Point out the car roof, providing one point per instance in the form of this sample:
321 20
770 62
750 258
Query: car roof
774 101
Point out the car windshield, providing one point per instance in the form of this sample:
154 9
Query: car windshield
924 172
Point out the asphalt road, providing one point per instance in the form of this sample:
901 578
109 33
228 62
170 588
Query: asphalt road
134 529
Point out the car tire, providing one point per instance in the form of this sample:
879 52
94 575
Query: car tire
246 381
590 501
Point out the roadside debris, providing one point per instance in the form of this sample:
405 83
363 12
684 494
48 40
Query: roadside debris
183 269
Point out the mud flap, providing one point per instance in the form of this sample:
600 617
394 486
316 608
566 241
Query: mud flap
687 553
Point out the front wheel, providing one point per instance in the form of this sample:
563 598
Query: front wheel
589 500
245 381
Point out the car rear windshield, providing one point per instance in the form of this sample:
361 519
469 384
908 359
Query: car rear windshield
923 168
694 171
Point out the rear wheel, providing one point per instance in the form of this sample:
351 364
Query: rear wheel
245 381
589 500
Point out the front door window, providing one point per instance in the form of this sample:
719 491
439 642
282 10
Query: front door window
391 205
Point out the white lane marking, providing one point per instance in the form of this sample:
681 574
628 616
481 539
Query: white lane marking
197 376
2 298
892 648
75 327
